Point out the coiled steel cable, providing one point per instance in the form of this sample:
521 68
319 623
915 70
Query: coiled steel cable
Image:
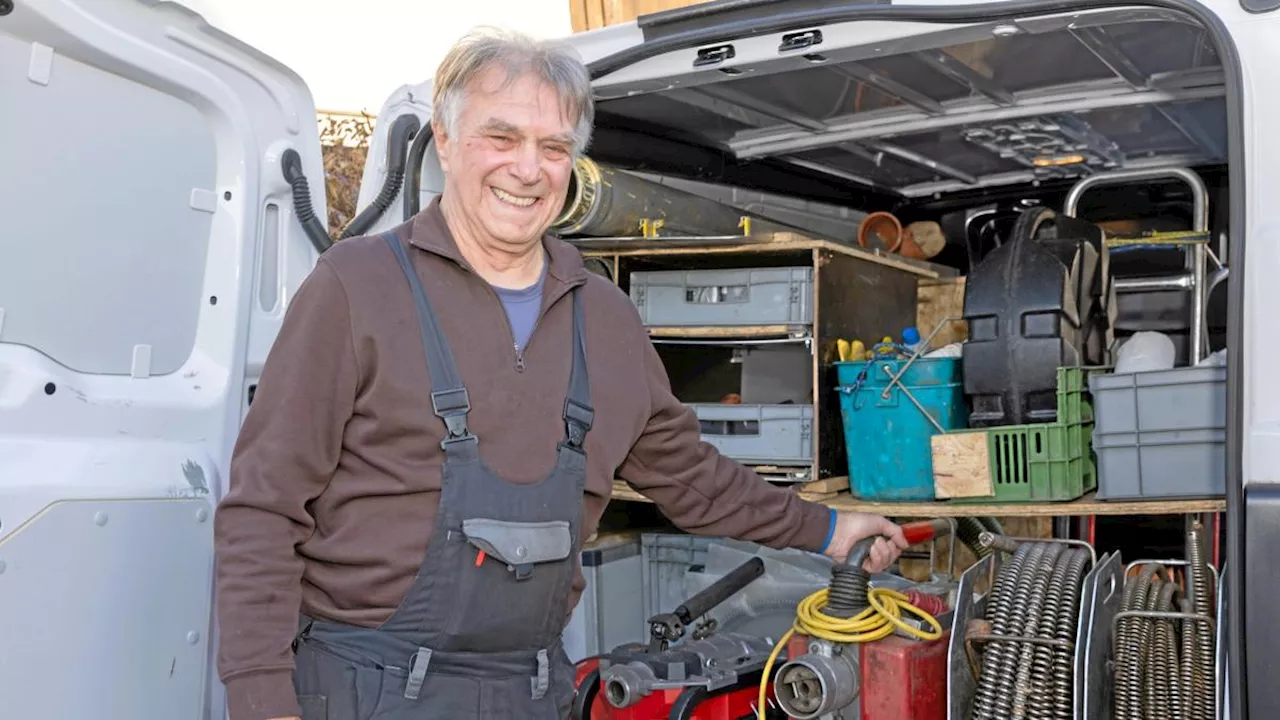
1201 596
998 609
1164 666
1068 619
1035 600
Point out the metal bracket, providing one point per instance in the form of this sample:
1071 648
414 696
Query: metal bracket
649 228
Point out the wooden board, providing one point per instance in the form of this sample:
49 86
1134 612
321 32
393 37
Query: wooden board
936 299
1087 505
961 465
762 243
853 301
592 14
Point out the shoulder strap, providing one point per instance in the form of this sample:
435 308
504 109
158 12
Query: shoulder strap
578 414
449 399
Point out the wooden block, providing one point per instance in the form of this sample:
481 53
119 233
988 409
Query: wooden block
818 497
961 465
826 485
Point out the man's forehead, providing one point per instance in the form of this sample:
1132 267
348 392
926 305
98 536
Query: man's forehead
499 124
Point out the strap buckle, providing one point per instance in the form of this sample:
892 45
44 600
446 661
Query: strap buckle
417 673
541 680
452 406
578 419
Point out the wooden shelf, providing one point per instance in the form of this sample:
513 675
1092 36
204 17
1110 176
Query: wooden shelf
761 243
736 332
1087 505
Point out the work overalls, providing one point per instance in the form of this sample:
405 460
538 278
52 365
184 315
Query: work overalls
478 635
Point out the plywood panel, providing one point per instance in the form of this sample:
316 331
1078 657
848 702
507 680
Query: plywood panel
938 299
961 465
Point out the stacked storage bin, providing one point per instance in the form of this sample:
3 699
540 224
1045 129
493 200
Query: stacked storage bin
760 299
1162 433
611 611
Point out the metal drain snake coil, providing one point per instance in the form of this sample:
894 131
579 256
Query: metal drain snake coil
1164 652
1028 664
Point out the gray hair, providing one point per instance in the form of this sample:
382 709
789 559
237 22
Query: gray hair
552 62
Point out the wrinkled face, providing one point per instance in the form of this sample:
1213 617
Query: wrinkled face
508 166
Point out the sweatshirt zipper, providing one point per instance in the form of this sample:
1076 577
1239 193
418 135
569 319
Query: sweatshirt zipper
511 332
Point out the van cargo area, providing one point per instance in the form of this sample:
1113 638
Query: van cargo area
976 268
985 216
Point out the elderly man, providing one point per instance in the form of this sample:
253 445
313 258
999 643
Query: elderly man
437 430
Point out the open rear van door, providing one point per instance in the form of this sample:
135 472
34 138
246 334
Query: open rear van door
149 250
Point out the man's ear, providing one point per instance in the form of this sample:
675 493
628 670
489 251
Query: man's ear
443 145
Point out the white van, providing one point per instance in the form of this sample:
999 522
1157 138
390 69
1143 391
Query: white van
161 187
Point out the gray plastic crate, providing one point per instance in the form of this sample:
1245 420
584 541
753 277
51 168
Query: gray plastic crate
1161 434
748 296
666 559
759 434
611 610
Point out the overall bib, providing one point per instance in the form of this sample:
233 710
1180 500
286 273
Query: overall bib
478 635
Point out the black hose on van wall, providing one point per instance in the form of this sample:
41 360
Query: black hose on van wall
401 130
413 175
291 165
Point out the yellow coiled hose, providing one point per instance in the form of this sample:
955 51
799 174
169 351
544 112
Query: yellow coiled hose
874 623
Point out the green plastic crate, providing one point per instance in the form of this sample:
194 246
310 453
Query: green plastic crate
1045 462
1073 405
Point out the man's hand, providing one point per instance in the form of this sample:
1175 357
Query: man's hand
852 527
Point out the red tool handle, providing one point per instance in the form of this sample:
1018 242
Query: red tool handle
925 530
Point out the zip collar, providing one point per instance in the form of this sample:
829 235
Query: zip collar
430 232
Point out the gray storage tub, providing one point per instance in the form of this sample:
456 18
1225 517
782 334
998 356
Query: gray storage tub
611 610
1161 434
726 297
666 559
759 434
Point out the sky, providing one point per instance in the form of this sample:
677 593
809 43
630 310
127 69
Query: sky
353 60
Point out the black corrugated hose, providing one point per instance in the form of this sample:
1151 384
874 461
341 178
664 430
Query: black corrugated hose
291 167
398 136
1036 595
1164 668
401 131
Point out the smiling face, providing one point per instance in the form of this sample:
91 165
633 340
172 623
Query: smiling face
507 167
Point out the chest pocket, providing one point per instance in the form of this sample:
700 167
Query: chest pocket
521 546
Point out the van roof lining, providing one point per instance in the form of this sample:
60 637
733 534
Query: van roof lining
1126 88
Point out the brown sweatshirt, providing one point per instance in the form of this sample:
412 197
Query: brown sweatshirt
336 474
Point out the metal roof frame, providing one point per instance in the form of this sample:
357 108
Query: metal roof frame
778 132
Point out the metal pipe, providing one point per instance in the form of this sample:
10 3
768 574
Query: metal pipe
1169 282
606 202
1200 223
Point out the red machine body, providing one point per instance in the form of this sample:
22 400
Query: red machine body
731 705
902 679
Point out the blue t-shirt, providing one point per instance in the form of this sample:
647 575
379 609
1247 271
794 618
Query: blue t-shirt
522 308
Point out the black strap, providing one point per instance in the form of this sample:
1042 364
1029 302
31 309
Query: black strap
578 414
449 399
